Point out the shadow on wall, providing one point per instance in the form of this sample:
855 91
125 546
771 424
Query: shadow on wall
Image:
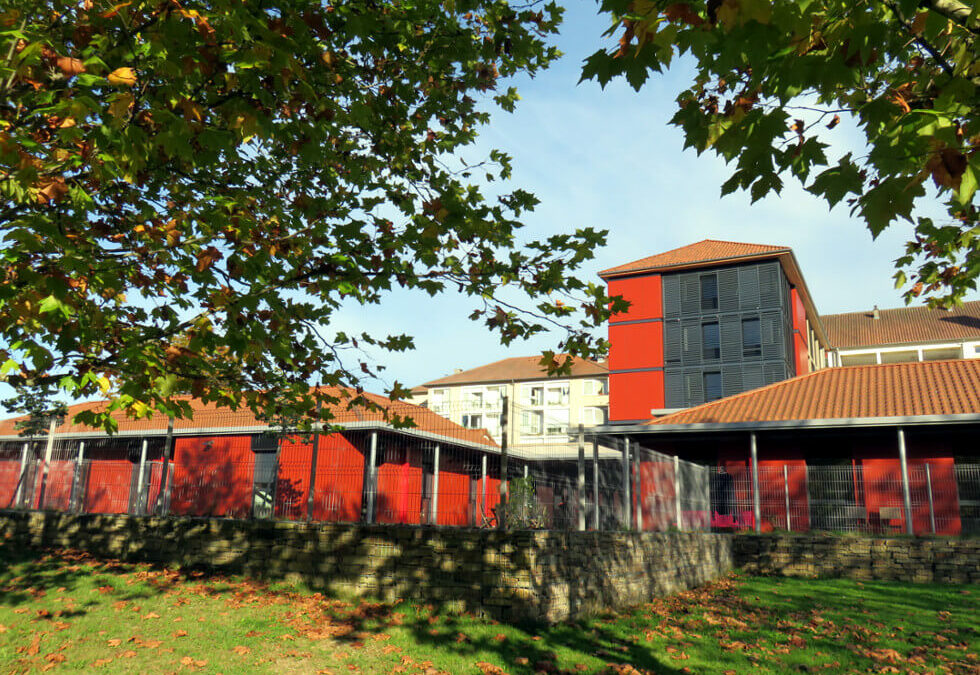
548 576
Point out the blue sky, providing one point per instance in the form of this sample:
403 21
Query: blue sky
608 159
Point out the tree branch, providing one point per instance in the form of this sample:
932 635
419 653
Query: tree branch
951 9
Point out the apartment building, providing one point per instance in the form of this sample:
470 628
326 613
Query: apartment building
904 334
706 321
542 409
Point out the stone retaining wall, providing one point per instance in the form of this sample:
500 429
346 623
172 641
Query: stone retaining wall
514 575
918 560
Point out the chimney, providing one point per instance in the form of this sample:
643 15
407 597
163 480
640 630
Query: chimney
459 370
875 314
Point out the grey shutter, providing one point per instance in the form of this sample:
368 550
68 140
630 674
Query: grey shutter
752 377
691 342
728 290
769 285
774 372
731 380
731 338
672 295
690 294
672 342
692 386
772 336
713 389
674 386
748 287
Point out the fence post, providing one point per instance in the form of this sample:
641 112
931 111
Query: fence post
482 496
49 448
372 476
141 481
595 482
906 493
932 510
627 501
163 497
638 487
434 503
75 501
756 503
581 477
313 461
18 501
789 526
502 507
677 492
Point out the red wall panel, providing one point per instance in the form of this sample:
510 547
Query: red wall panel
636 345
633 395
454 493
644 293
213 476
107 486
57 486
9 475
399 498
339 489
801 354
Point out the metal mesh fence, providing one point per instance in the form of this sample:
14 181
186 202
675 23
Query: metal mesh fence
442 470
492 468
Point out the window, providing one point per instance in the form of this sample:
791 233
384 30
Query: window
492 424
556 423
592 416
709 292
751 338
471 421
495 397
594 387
473 398
532 394
556 395
532 423
712 386
440 399
710 341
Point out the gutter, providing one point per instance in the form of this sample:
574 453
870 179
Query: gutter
831 423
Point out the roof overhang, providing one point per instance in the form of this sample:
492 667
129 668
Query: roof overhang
787 259
258 429
830 423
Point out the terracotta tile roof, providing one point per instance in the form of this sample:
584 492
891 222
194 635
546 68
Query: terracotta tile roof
904 324
518 368
706 251
208 416
893 390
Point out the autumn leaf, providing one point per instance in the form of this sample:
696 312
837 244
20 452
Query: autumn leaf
241 649
70 66
123 77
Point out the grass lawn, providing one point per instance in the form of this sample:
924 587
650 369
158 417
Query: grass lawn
64 611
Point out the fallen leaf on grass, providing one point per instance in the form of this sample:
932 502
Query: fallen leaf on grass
241 649
35 646
105 589
151 615
180 633
98 663
499 637
253 633
128 654
490 669
522 660
391 649
55 657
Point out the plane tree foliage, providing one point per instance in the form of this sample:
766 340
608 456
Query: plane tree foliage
190 191
772 80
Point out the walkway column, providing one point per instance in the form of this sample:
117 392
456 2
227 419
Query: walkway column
627 501
638 487
163 498
504 428
906 493
372 476
756 504
23 474
434 516
581 477
595 482
75 501
483 491
677 492
49 448
140 481
314 457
